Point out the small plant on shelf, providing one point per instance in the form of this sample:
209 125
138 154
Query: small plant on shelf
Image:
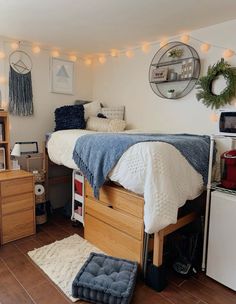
175 53
171 93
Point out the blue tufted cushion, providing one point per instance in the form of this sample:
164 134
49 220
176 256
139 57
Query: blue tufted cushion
105 279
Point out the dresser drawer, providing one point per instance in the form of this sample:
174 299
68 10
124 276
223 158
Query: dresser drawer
119 199
129 224
17 225
11 204
112 241
16 186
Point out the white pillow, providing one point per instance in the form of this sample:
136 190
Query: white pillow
105 125
91 109
114 112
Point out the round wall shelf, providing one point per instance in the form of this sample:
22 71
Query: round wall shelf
174 70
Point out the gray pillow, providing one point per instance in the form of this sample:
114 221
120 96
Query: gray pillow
81 102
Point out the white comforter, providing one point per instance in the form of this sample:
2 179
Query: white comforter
156 170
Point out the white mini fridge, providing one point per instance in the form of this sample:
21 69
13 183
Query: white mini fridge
221 257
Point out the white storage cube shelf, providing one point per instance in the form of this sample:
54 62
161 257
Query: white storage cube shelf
221 257
78 197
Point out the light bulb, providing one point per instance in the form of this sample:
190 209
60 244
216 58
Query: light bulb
2 80
214 117
114 53
146 47
73 58
14 45
129 53
228 53
163 42
205 47
55 54
102 59
2 55
185 38
36 49
88 61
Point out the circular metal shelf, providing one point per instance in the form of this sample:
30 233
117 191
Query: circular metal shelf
177 73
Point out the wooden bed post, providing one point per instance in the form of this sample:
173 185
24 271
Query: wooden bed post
158 248
159 236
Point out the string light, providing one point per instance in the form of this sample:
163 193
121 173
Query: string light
205 47
146 47
73 58
163 42
185 38
14 45
2 55
214 117
2 80
55 54
88 61
129 53
115 53
36 49
102 59
228 53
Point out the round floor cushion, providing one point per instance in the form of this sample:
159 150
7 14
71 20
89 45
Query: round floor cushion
105 279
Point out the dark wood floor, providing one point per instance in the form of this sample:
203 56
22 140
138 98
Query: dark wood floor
23 282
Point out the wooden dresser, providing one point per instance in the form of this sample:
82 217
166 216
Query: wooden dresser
17 206
114 223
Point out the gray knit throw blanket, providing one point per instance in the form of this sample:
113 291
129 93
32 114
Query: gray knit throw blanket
97 154
20 93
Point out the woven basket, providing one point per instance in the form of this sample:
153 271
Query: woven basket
39 177
41 219
40 198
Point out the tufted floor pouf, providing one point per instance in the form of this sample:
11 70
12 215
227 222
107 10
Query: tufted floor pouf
105 279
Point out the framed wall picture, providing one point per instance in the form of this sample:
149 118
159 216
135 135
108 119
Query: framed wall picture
159 74
2 159
62 76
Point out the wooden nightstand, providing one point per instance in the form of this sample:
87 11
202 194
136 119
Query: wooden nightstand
17 205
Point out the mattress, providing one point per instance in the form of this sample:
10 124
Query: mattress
155 170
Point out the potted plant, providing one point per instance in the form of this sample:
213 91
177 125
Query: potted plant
175 53
171 93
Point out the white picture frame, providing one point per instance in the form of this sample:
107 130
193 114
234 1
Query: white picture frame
159 74
62 76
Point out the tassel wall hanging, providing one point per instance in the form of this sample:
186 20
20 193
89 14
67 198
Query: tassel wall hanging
20 84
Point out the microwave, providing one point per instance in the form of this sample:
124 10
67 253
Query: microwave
227 123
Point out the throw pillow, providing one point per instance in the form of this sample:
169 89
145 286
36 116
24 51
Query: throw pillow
70 117
105 125
91 109
114 112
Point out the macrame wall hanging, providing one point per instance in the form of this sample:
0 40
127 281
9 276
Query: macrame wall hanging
20 84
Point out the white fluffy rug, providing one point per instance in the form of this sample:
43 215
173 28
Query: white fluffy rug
62 260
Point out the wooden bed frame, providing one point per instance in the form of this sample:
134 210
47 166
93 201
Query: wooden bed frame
116 200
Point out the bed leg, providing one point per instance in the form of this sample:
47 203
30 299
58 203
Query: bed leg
158 248
156 275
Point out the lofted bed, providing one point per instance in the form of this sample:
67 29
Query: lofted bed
116 222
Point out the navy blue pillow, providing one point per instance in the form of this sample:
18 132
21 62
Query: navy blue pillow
70 117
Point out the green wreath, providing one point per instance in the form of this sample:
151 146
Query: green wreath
204 85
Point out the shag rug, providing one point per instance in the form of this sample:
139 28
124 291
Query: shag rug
62 260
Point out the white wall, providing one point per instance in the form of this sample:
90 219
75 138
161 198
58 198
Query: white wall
35 127
123 81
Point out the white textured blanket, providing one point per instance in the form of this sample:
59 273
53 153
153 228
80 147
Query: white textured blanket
156 170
